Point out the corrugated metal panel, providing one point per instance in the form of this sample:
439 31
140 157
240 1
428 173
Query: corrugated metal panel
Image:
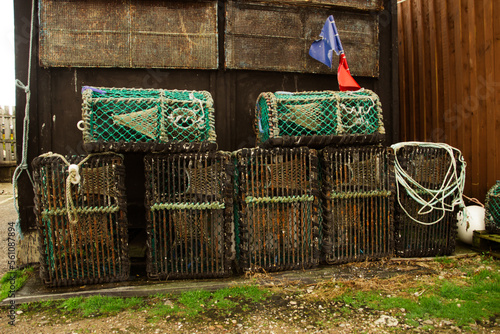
449 73
277 38
129 33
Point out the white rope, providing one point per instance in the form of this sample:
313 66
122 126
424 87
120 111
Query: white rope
452 185
23 166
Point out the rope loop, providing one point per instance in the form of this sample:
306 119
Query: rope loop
21 85
452 185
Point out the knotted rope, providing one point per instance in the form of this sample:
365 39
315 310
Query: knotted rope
74 178
23 166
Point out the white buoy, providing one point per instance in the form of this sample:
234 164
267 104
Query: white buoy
474 222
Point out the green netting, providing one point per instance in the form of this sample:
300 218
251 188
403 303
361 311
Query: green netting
492 207
147 115
320 113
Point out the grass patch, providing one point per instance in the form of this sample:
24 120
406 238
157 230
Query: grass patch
99 305
443 260
14 279
462 300
188 304
192 303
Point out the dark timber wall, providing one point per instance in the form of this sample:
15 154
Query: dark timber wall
253 54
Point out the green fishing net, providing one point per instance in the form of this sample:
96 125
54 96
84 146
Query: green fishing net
147 115
321 113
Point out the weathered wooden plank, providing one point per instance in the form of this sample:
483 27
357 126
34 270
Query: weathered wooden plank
454 116
495 130
7 140
480 142
466 141
445 60
410 128
489 65
129 33
403 75
2 133
351 4
277 38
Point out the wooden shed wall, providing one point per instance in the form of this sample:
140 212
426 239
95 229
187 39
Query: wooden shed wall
56 91
449 71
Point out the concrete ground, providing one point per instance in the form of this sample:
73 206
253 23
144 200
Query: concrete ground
7 214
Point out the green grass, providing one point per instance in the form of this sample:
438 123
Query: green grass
192 303
443 259
99 305
188 304
20 275
464 303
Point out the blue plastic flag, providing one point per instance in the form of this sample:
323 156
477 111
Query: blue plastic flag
322 49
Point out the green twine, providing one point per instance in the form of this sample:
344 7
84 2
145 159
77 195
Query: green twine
279 199
188 206
86 210
361 194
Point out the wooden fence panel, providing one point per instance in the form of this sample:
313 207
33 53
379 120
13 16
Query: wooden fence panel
449 64
8 138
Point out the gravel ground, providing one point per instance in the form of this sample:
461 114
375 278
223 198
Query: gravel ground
294 307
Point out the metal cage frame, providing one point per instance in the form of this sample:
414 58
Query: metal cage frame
358 203
277 186
189 211
79 249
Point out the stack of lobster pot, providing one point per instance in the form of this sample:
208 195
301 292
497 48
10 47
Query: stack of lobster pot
188 182
188 189
350 182
430 178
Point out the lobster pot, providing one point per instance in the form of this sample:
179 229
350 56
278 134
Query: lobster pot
357 191
277 208
420 231
83 228
492 207
317 119
122 119
189 210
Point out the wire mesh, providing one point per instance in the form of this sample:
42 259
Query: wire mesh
189 210
492 207
94 248
278 208
428 166
137 119
318 118
358 201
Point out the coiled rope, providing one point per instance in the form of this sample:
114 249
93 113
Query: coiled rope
23 165
452 185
